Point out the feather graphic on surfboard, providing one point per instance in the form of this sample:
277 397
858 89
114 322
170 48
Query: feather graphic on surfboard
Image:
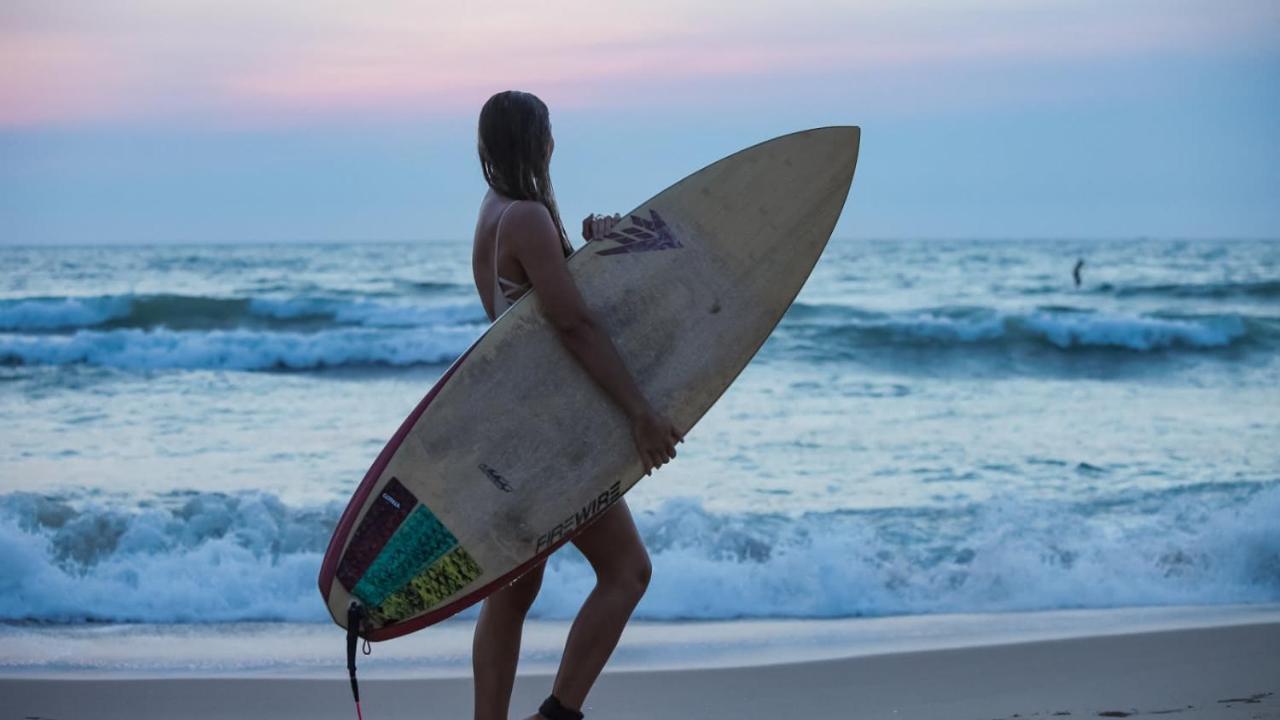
641 236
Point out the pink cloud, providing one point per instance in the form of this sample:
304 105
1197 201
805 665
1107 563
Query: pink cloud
45 80
241 61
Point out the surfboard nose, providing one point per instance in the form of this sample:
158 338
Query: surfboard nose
847 134
805 173
843 142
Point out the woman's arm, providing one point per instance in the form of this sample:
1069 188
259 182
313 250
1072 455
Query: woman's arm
537 247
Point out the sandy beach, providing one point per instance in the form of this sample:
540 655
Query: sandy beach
1221 672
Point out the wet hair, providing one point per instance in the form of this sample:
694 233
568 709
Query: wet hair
514 140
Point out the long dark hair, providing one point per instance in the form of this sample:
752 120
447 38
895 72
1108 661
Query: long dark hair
514 140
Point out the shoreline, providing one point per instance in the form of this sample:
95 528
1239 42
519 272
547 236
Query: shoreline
316 650
1230 671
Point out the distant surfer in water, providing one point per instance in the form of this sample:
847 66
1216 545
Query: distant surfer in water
1075 272
520 244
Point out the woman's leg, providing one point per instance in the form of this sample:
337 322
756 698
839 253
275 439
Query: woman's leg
496 646
613 547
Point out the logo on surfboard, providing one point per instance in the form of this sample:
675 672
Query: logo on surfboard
642 236
496 478
580 516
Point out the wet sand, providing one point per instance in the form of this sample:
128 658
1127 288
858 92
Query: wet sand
1220 672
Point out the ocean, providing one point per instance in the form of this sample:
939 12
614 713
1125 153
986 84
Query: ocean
936 427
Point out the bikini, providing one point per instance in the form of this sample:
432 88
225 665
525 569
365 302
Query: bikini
505 292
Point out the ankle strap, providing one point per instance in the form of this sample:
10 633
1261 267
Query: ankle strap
551 709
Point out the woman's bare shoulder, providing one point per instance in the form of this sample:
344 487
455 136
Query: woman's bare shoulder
529 211
533 234
534 221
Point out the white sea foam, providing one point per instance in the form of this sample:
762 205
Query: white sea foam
180 311
1060 328
60 313
241 349
212 557
1133 332
175 332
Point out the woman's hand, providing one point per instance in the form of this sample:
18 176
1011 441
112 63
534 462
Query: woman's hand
655 439
595 227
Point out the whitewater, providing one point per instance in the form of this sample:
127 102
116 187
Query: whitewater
935 427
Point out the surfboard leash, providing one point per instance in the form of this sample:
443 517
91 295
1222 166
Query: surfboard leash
552 709
355 617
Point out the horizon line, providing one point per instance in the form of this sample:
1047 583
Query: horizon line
412 241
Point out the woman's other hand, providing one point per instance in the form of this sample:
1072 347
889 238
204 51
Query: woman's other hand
655 437
595 227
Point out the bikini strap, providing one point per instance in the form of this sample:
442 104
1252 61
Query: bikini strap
497 237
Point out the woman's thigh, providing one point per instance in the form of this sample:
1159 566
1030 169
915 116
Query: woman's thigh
523 591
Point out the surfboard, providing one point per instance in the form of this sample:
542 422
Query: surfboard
515 450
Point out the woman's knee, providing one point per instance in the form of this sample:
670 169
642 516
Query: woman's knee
644 572
630 576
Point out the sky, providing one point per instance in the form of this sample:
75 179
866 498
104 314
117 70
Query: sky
155 121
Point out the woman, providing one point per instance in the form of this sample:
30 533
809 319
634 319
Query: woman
520 244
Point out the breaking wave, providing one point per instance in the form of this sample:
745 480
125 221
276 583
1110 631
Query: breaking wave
1252 290
210 557
150 332
1053 328
241 349
193 312
189 332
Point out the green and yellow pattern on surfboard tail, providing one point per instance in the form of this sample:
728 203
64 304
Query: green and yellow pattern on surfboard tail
442 579
420 565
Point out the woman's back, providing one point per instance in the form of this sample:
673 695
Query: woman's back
499 279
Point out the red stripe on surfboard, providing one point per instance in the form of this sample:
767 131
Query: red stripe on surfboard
329 567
